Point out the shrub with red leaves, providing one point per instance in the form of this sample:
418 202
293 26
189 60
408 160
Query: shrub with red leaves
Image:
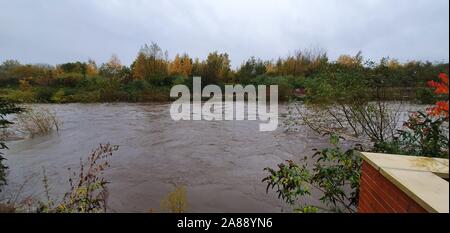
441 88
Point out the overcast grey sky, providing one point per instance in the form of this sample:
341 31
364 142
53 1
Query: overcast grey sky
57 31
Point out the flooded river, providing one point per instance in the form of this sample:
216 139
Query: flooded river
219 162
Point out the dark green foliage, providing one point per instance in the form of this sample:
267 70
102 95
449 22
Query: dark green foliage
335 173
425 95
290 181
44 95
250 69
6 108
285 84
74 67
337 84
69 79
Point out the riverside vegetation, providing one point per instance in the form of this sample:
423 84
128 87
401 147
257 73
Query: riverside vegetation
152 74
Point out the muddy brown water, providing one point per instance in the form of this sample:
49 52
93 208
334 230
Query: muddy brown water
219 162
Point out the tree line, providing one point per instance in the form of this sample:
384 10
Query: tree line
152 73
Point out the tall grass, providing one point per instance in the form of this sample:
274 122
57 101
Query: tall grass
175 201
38 122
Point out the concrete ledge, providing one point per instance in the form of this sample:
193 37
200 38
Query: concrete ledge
420 178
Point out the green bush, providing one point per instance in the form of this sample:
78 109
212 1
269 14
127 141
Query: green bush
178 80
19 96
425 95
84 97
44 95
70 79
158 94
113 95
332 86
285 84
59 97
335 173
136 85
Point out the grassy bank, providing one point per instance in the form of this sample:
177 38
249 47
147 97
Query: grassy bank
141 91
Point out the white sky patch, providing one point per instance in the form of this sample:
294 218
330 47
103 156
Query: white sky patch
56 31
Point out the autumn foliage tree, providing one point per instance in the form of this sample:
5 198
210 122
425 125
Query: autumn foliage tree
181 66
217 68
112 68
92 68
349 61
151 64
301 63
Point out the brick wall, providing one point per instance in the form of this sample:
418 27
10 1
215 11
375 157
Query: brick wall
379 195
